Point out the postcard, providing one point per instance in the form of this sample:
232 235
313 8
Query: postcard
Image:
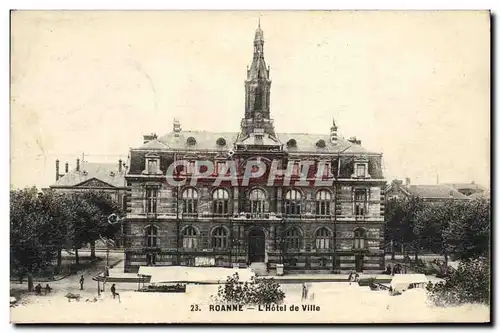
250 167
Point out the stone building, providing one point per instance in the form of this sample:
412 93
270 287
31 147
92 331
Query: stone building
86 176
336 226
428 193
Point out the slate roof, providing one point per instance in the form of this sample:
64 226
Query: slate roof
439 191
208 141
485 194
467 186
100 171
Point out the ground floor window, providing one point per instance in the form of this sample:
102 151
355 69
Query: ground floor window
219 262
151 259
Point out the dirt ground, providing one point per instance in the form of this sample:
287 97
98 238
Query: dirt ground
333 303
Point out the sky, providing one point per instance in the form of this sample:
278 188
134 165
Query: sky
414 86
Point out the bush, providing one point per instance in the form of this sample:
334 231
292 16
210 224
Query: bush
470 283
254 292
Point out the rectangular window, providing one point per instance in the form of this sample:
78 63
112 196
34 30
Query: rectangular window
361 170
191 167
296 169
151 200
221 167
152 166
360 202
326 170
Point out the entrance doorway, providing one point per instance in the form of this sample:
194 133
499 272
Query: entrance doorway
359 263
256 245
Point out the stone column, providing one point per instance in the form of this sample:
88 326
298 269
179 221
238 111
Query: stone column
235 200
279 194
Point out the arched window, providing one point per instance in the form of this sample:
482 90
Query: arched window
190 201
189 238
219 238
293 202
293 239
323 199
359 238
220 199
323 239
151 236
257 201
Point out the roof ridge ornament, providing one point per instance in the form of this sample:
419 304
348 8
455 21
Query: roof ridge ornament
177 126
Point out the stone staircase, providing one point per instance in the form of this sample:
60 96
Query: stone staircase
259 268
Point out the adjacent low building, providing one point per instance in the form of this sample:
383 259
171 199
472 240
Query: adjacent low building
86 176
428 193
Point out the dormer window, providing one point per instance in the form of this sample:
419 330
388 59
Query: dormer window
292 143
220 168
324 169
321 144
361 168
190 167
295 168
221 142
152 166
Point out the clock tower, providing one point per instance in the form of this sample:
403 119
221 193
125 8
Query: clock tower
257 92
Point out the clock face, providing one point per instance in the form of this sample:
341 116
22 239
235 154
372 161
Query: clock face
258 116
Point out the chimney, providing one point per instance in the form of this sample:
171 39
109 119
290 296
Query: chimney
397 183
333 133
119 165
354 140
149 137
57 170
77 165
66 168
407 181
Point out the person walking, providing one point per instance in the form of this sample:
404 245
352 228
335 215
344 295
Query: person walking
113 291
82 280
304 291
38 289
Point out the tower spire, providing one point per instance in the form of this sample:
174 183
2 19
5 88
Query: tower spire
258 90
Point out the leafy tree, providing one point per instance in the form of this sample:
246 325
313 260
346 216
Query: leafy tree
254 292
468 233
430 223
30 250
56 206
470 283
88 218
400 218
41 225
